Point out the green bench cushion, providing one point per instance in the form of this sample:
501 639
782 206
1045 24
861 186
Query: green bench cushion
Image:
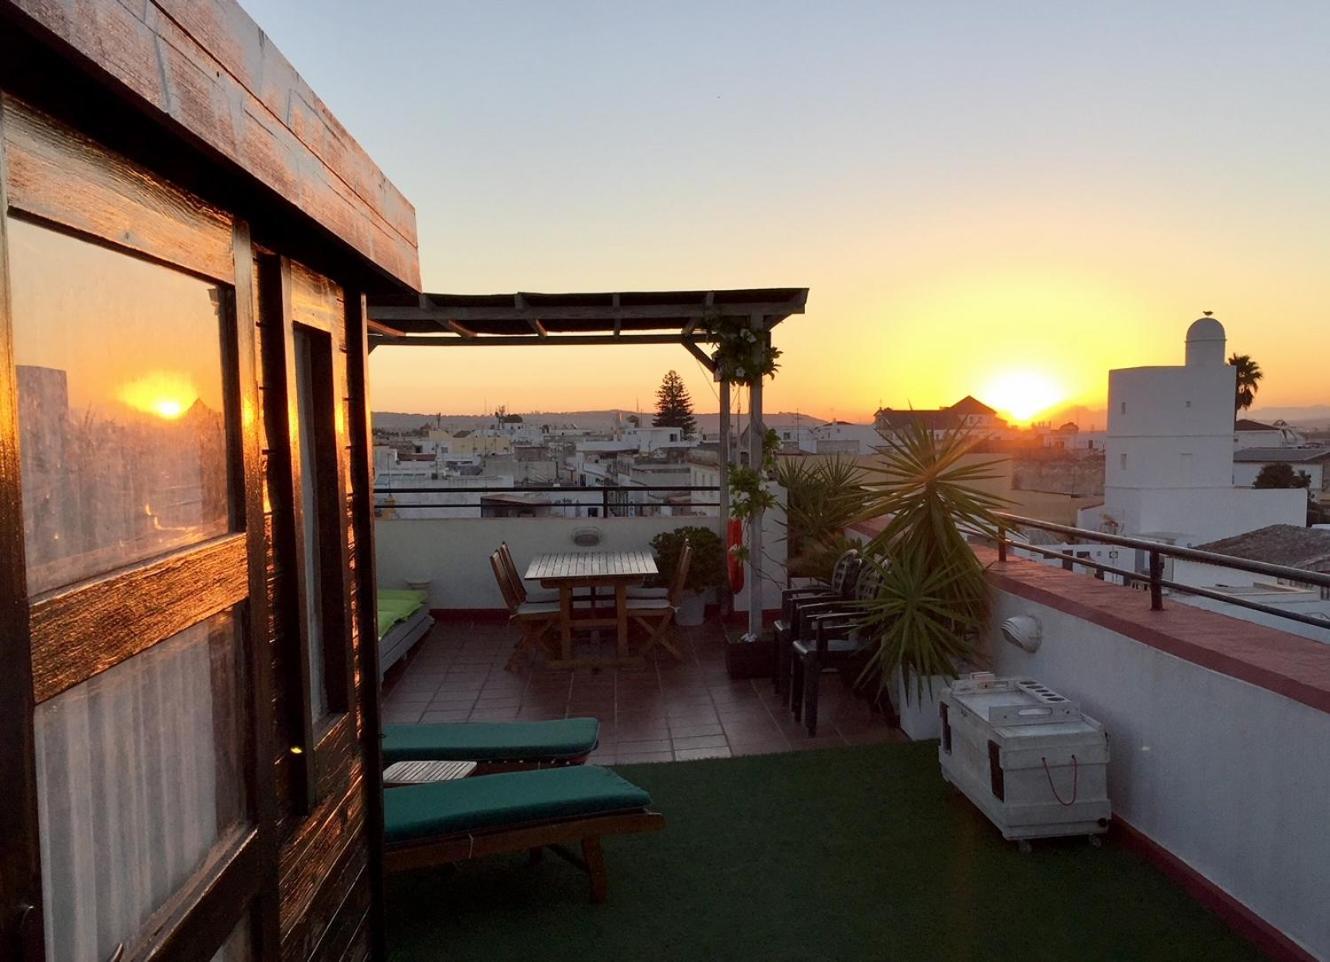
410 595
494 801
490 741
386 619
396 605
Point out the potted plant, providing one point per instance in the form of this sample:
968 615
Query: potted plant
705 572
751 655
823 497
934 599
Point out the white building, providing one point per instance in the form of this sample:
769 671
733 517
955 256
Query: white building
1069 437
1168 471
1257 434
1313 463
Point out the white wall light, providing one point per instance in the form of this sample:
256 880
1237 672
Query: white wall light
1023 631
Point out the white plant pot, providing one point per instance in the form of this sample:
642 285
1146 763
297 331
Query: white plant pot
919 713
692 610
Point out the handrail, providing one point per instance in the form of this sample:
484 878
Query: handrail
606 496
508 488
1157 551
1175 551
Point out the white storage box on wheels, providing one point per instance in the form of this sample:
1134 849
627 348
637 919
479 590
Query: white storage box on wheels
1029 758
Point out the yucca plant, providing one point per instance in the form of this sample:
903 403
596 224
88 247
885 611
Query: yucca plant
934 598
823 497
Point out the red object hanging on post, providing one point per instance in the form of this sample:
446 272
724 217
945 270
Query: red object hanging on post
733 542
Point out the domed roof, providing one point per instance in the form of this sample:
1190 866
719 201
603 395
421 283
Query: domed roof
1205 329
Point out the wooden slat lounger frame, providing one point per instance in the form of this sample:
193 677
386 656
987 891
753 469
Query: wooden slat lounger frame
528 837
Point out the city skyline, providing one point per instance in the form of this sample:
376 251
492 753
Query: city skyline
975 199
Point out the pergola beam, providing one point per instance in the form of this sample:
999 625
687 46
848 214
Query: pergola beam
527 340
606 313
702 356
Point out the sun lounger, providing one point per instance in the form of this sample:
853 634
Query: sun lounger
498 746
446 822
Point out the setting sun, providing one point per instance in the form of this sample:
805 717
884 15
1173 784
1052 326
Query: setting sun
1020 395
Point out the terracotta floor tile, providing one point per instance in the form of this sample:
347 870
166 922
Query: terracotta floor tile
637 759
493 714
694 753
703 731
435 717
459 671
640 746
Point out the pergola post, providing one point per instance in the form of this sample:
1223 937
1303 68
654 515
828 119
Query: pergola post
756 437
723 459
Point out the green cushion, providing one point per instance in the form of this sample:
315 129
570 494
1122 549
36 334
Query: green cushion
395 606
409 595
491 801
490 741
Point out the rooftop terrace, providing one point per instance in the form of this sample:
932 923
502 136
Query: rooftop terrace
851 853
667 711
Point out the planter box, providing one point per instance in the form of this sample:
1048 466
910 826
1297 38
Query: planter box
920 717
750 659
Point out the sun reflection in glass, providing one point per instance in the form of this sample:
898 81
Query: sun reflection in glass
161 393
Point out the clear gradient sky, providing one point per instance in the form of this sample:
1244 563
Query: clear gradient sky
971 190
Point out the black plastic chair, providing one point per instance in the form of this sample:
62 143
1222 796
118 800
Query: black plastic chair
833 637
793 600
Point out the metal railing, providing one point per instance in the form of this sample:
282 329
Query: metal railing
1152 578
613 500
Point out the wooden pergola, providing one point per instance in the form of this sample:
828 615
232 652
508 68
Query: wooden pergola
602 319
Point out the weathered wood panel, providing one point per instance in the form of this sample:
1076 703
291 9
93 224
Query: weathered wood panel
309 855
57 174
262 781
84 631
20 868
336 913
227 32
209 71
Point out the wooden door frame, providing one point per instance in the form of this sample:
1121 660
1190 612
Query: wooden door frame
243 876
21 931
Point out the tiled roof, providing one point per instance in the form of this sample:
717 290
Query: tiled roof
1273 455
971 405
1281 544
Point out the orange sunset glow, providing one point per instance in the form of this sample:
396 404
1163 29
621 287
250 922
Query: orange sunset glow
1064 197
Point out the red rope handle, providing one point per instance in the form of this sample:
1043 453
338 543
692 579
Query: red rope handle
1075 780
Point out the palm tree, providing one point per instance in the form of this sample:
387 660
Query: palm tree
1249 380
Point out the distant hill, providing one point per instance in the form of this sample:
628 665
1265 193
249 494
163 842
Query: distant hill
1311 416
591 420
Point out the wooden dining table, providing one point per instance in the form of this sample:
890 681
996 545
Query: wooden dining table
569 570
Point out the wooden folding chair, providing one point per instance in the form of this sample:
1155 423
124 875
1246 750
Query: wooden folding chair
515 577
534 619
656 615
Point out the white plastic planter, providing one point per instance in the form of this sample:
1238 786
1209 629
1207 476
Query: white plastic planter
692 610
919 716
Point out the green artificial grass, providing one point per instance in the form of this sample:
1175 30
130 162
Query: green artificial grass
837 854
